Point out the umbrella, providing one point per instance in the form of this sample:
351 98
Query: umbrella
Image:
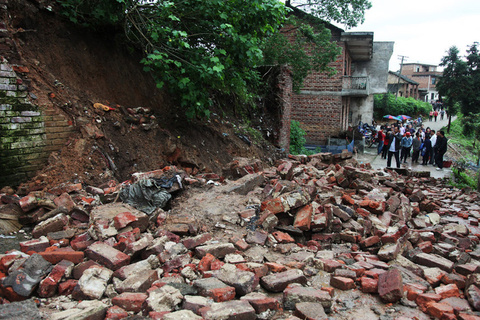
391 117
403 117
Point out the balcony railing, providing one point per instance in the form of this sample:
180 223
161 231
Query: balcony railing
355 86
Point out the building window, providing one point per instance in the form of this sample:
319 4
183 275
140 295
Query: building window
433 81
433 96
417 69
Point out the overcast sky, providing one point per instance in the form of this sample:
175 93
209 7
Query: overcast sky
423 30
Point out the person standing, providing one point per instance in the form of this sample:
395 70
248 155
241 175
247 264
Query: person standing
393 147
430 115
385 144
381 140
433 140
406 144
435 114
416 143
427 145
442 114
441 148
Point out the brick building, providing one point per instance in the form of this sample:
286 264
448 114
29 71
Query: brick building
402 86
326 106
427 77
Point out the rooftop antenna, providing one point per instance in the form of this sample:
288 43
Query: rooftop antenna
399 74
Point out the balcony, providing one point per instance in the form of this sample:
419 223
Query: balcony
355 86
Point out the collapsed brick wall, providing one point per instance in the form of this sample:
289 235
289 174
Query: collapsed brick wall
28 132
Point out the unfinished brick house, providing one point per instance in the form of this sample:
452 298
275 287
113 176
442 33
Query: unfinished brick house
326 106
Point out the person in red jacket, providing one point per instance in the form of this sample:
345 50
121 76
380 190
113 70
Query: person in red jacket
381 140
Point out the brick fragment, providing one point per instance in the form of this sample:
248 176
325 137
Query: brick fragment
390 285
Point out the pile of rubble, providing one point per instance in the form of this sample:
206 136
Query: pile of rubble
312 230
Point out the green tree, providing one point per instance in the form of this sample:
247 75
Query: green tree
346 12
202 49
452 84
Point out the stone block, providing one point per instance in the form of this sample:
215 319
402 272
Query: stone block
310 310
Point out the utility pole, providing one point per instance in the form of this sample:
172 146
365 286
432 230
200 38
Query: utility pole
399 74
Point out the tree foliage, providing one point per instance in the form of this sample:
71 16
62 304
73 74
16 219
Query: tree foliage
278 50
387 103
346 12
199 49
460 82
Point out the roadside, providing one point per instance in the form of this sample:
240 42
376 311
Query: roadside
377 163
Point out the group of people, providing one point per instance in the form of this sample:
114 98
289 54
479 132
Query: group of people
434 114
401 142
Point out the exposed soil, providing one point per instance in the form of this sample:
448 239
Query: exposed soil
71 69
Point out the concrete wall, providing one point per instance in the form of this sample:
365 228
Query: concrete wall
377 72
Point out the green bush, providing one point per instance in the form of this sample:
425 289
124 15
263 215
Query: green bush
297 138
387 104
464 178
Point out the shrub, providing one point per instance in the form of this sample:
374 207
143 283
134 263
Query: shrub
297 138
387 104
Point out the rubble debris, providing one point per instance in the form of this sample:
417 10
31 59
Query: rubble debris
294 241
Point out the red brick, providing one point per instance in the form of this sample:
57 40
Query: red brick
425 246
49 285
221 294
60 254
390 285
413 290
282 237
65 288
274 206
116 313
123 219
36 245
275 267
303 218
370 241
450 290
437 310
130 301
206 262
107 256
368 285
424 298
342 283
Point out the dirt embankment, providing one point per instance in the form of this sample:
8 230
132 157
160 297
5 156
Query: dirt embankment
73 68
